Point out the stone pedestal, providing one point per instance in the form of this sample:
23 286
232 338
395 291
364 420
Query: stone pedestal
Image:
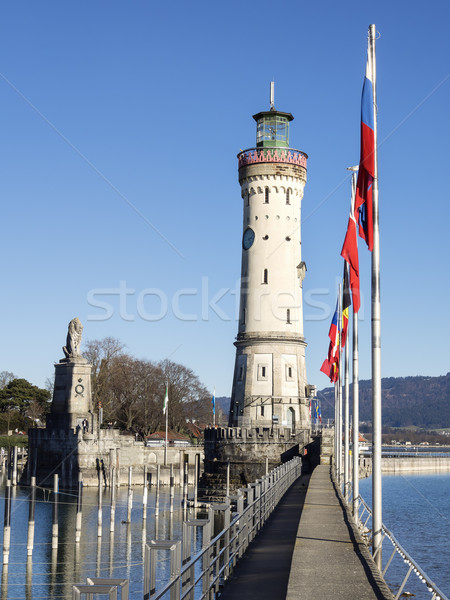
72 395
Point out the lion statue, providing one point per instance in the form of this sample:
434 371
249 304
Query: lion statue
73 342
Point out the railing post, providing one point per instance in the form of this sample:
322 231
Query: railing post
150 567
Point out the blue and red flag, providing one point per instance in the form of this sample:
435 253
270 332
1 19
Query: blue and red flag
333 334
330 365
366 173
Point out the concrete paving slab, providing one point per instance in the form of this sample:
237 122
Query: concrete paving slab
330 560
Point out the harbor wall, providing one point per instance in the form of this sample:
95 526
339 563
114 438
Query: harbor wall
407 464
96 455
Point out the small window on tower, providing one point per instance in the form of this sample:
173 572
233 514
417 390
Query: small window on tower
289 373
241 374
288 315
244 315
262 373
266 276
288 199
262 411
248 198
266 195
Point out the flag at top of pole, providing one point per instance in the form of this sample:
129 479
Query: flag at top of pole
366 173
214 401
350 247
330 365
346 303
166 399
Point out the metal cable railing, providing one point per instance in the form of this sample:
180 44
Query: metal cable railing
200 574
364 522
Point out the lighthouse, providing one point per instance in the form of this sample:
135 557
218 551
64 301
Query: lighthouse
270 388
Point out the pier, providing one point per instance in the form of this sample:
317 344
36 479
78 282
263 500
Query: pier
310 549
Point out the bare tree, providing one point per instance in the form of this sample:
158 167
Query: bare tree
5 378
101 354
132 391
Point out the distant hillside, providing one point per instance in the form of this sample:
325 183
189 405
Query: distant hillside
420 401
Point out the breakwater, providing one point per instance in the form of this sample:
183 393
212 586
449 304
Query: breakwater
410 461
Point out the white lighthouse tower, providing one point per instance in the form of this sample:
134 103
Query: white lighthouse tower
269 386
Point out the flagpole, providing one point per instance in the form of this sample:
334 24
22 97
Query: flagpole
340 387
355 393
336 429
376 334
166 406
346 420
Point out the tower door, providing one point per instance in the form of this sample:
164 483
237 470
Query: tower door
291 418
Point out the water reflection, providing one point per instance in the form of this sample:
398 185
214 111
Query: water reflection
51 572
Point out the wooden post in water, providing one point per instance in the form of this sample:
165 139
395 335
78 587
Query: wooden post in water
31 511
196 469
172 488
145 495
185 484
79 508
130 495
100 511
55 513
14 466
112 513
7 523
111 466
158 472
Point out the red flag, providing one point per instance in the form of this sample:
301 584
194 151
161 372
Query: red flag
346 303
330 365
350 253
366 173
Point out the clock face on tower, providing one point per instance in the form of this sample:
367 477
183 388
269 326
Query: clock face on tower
248 238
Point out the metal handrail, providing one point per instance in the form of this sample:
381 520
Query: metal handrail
437 594
214 563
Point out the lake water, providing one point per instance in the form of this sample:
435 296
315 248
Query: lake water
416 509
51 573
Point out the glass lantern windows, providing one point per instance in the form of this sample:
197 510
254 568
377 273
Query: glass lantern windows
272 130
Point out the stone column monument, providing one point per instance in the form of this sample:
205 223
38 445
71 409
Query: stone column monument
72 400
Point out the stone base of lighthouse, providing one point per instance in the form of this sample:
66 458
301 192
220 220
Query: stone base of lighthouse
249 452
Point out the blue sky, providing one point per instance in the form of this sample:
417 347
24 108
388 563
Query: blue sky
119 129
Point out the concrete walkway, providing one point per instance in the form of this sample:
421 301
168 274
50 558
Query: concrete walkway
308 550
330 560
263 573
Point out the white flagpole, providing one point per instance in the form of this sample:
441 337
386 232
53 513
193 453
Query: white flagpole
166 410
339 324
336 429
376 334
355 390
346 420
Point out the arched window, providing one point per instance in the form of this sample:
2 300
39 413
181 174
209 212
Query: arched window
266 195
